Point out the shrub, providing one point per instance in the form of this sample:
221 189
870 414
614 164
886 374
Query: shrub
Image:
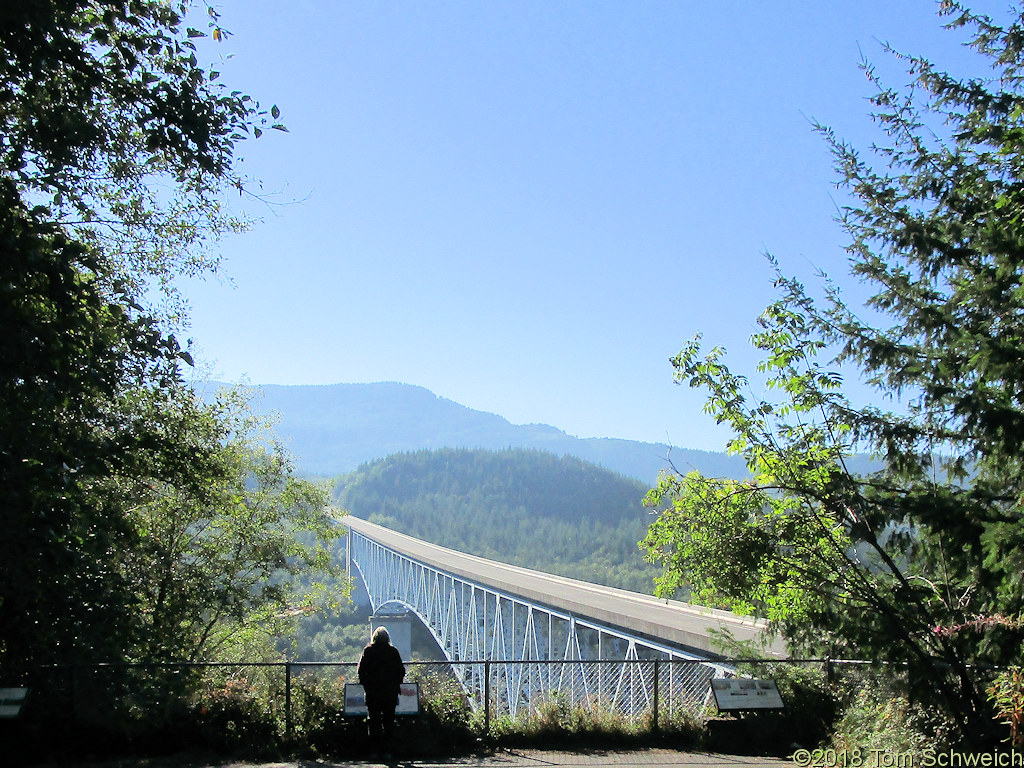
875 718
446 721
236 716
318 719
1007 695
557 721
812 705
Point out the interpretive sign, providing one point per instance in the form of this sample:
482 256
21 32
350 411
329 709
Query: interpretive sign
11 701
408 699
744 693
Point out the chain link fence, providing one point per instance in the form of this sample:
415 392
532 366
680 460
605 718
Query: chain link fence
276 690
279 703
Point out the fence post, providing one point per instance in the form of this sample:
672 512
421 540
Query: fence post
487 696
74 694
287 701
657 674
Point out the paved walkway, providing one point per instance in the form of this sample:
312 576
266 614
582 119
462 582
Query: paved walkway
514 758
531 758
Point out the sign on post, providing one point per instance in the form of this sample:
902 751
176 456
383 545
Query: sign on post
408 699
11 701
737 694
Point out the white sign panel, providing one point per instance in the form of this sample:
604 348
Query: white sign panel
408 699
11 700
743 693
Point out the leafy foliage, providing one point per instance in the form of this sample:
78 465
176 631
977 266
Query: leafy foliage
109 121
332 635
70 349
137 522
879 719
1007 693
884 565
217 566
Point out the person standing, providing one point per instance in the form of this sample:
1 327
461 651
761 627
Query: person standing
381 673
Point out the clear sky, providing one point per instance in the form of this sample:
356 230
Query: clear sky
528 207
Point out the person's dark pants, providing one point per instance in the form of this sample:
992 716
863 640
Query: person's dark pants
381 723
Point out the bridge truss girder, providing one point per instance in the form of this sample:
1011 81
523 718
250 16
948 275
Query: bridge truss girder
510 653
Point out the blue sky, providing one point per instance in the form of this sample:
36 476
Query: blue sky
528 207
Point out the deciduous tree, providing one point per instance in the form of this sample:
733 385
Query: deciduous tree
116 149
230 551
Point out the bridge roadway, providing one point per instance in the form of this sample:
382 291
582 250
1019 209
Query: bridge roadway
669 621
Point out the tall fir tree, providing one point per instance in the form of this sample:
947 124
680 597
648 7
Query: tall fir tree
920 563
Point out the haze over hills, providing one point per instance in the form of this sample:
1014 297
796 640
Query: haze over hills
332 429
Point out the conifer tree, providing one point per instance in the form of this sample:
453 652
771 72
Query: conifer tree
920 563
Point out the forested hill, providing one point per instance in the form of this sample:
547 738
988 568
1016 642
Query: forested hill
524 507
335 428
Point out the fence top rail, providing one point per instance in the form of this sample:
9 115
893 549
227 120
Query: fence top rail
422 662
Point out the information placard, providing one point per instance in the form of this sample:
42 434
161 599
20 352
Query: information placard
408 699
746 693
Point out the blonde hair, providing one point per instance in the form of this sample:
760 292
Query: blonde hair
380 635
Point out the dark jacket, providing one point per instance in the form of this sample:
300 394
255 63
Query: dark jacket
381 673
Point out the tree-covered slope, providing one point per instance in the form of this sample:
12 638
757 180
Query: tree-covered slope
524 507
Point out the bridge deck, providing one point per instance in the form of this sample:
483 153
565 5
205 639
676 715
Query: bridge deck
670 621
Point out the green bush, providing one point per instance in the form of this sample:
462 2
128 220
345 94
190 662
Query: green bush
556 721
237 716
877 719
812 706
1006 692
446 722
318 723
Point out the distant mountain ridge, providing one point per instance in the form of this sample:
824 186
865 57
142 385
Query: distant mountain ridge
334 428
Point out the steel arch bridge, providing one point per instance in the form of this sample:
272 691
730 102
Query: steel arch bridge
517 637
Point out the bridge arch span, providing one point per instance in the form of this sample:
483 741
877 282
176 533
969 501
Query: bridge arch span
378 604
531 630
